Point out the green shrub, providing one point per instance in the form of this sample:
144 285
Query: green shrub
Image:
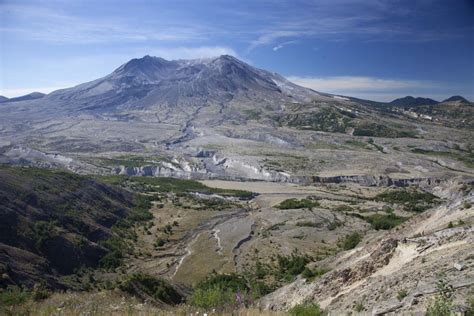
343 208
384 221
350 241
306 309
311 274
291 266
158 289
402 294
13 295
359 307
307 224
296 204
220 290
412 200
232 282
441 305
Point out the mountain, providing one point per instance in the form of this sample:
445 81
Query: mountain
27 97
411 101
215 117
155 83
457 99
3 99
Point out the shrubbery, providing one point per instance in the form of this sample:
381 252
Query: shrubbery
306 309
158 289
350 241
384 221
414 201
295 204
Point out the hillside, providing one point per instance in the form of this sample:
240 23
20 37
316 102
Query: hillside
53 224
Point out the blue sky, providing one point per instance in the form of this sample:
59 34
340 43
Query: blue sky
372 49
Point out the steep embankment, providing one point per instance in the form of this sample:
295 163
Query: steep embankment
52 223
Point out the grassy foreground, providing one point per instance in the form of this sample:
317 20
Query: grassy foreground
114 302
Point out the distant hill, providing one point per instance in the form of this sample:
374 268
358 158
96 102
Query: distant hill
412 101
456 98
27 97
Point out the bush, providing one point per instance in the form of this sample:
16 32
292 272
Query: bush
384 221
311 274
220 290
351 241
158 289
289 267
13 295
212 298
402 294
306 309
443 302
412 200
296 204
359 307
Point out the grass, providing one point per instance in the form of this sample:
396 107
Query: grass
384 221
297 204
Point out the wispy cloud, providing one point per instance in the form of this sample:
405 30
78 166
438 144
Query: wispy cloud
339 20
55 26
367 87
281 45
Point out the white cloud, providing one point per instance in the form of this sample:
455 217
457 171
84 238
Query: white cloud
367 87
355 83
55 26
281 45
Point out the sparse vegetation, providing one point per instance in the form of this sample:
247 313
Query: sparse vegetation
162 184
384 221
296 204
411 199
306 309
157 289
401 294
441 305
350 241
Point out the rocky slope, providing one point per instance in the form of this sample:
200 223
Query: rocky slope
397 272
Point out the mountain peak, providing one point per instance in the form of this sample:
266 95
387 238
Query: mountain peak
412 101
456 98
